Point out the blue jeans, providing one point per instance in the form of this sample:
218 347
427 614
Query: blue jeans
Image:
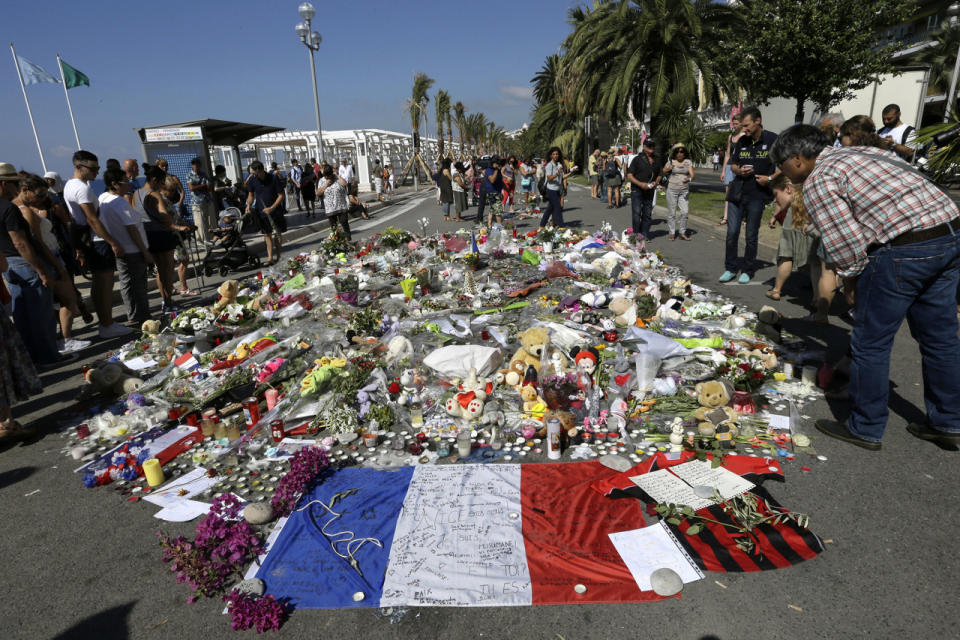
753 211
33 312
917 281
641 209
553 207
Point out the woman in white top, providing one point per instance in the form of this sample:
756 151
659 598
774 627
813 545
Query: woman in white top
334 192
126 225
459 186
680 171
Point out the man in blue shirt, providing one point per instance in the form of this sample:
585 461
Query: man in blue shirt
749 194
492 185
265 199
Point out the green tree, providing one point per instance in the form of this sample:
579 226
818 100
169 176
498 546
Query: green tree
460 119
442 105
417 102
941 57
809 50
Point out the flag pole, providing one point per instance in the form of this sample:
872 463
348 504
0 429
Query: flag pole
23 88
69 107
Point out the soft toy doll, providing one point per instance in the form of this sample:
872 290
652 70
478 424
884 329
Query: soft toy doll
228 294
715 415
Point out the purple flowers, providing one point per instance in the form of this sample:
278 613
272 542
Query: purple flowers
220 549
305 466
262 613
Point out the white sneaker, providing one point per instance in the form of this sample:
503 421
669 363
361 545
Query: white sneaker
72 345
115 330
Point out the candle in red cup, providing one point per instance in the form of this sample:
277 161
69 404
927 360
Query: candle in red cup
271 396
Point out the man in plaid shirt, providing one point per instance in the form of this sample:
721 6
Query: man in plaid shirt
893 238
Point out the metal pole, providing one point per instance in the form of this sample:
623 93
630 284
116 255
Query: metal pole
953 88
63 81
316 94
36 138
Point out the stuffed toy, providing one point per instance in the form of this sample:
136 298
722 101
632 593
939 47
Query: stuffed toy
533 405
412 385
150 328
585 359
625 312
228 295
595 299
568 426
512 376
493 415
113 378
622 376
534 347
468 401
715 416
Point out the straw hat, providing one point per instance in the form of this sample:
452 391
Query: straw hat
679 145
8 172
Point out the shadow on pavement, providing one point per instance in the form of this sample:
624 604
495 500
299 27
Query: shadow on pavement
109 624
14 476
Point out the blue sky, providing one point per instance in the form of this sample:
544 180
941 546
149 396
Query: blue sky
156 63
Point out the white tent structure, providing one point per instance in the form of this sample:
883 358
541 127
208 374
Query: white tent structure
361 146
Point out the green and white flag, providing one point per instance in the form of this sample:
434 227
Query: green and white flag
72 77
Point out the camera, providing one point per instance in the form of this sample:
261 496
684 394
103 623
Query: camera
945 138
487 161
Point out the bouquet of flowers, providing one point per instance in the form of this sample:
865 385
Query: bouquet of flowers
235 314
391 237
347 287
745 372
335 244
194 320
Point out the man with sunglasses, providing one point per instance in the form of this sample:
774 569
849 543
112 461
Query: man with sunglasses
99 248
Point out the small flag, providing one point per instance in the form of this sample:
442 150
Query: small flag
33 73
72 77
187 362
473 243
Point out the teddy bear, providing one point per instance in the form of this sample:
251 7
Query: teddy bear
493 415
468 401
228 294
533 405
624 311
150 328
512 376
534 347
715 416
113 378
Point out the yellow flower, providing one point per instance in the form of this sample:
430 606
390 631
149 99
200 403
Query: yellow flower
338 362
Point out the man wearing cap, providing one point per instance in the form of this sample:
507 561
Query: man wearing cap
30 277
201 190
894 238
644 174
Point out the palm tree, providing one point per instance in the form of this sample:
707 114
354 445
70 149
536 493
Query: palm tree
476 126
941 57
625 57
442 105
460 119
417 103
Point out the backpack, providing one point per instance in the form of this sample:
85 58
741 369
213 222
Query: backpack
542 184
906 134
611 170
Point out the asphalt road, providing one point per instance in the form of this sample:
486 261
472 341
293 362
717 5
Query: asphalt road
81 563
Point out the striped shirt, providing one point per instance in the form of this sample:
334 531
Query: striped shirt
856 202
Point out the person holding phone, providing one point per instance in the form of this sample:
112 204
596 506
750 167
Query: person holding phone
749 194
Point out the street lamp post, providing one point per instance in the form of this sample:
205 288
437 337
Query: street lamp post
311 40
953 10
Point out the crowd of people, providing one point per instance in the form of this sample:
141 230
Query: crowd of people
125 229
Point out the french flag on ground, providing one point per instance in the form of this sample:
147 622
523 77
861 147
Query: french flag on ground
455 535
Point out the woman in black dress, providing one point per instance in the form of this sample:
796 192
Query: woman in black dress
308 188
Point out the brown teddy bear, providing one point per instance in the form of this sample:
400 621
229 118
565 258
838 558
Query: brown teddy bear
228 294
113 378
534 346
624 311
715 415
512 376
533 405
151 328
568 425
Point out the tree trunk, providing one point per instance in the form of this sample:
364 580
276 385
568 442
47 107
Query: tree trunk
798 115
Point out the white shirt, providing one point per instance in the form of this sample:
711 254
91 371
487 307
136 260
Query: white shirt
346 172
554 168
75 193
116 214
453 183
897 134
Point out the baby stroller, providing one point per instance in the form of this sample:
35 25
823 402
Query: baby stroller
229 252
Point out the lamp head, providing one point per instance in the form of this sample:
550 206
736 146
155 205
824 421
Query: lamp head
306 11
315 39
302 31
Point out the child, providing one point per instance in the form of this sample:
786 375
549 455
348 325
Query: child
796 248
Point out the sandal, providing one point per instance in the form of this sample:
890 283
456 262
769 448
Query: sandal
189 292
448 218
14 432
773 294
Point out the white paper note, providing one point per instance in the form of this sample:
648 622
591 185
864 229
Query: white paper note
651 548
701 473
666 488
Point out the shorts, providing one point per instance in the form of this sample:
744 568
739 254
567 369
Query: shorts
526 186
160 239
595 178
727 176
270 223
99 257
615 181
378 185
